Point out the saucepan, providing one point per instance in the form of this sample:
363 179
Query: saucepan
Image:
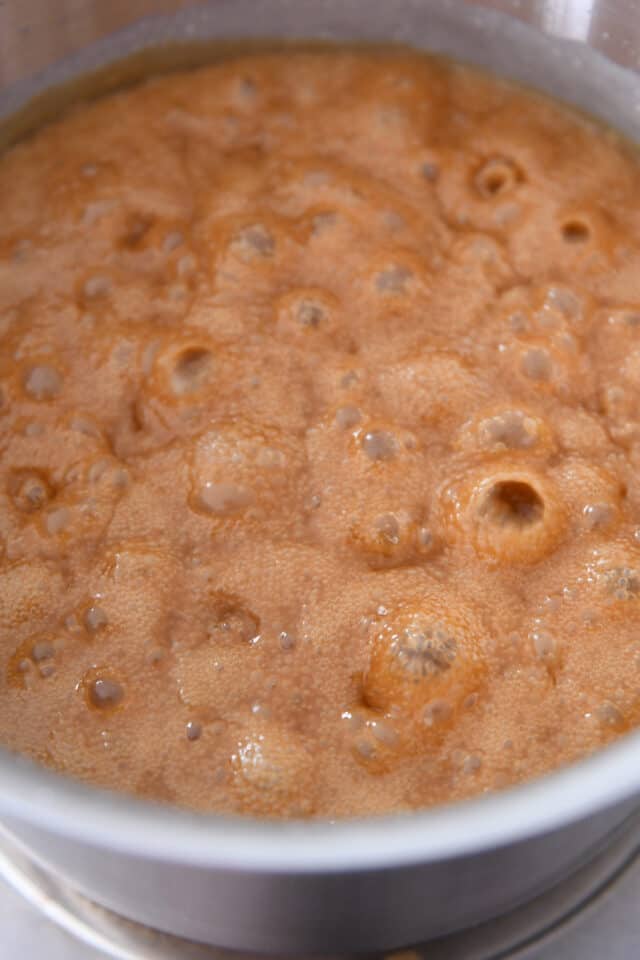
326 886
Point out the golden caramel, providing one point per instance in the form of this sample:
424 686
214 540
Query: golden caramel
320 436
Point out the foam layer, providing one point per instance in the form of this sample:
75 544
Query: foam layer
318 474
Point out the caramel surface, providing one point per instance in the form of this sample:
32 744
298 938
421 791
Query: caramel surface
319 436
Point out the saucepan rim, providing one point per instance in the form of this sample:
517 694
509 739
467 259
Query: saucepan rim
75 810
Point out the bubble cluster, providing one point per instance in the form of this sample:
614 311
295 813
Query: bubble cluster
499 430
319 464
391 539
419 654
34 657
272 773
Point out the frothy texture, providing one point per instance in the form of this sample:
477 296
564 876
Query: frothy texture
319 436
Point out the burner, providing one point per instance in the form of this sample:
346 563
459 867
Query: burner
520 935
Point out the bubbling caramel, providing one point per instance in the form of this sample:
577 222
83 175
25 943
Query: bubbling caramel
319 436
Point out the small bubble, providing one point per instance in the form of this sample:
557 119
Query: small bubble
393 220
287 640
259 709
42 383
518 322
21 251
536 364
89 170
425 538
354 720
310 314
193 730
365 749
255 241
58 520
172 241
96 471
563 300
225 498
137 227
191 371
246 89
497 176
322 221
506 214
316 178
347 417
95 619
379 445
393 280
388 528
349 379
186 265
105 694
544 644
120 477
97 286
85 426
575 231
383 732
598 515
438 711
232 621
72 623
608 714
42 650
30 491
430 170
47 670
471 764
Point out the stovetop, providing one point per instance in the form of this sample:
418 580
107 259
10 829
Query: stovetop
606 928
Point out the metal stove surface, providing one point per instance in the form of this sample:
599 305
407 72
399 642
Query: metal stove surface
593 916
